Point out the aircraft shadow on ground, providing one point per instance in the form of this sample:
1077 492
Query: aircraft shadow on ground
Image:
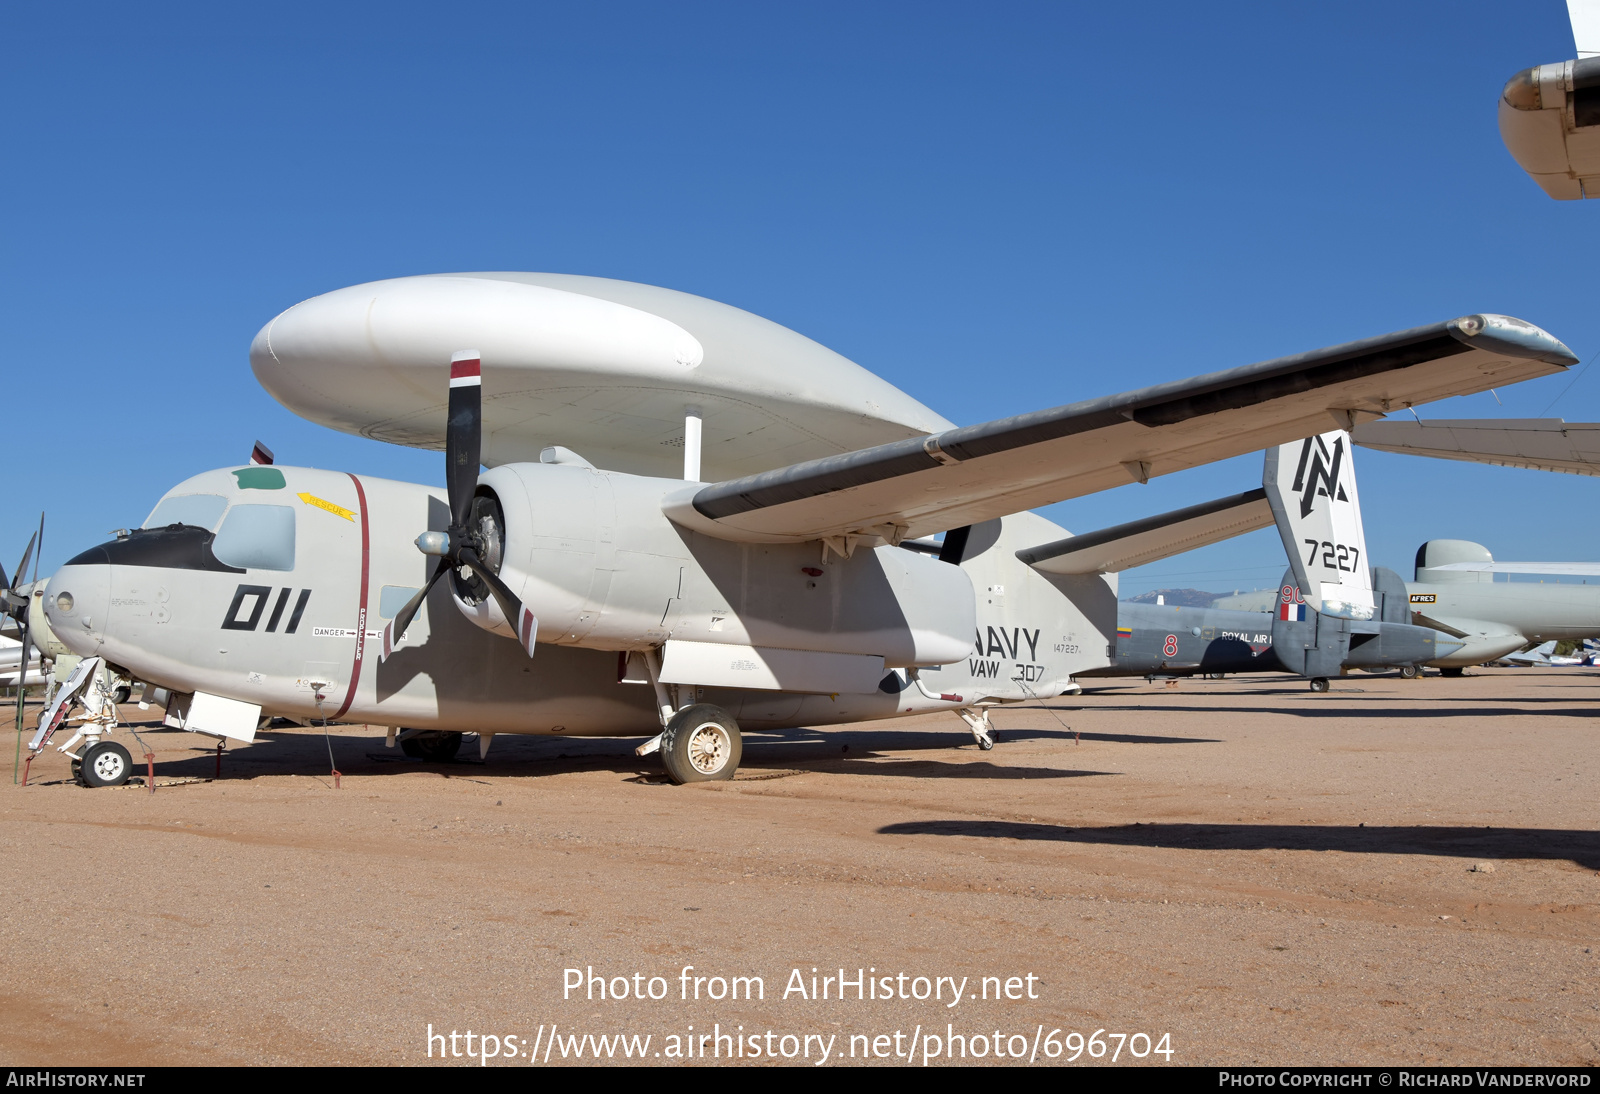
1573 845
1316 710
880 754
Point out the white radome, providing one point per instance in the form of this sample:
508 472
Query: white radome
607 368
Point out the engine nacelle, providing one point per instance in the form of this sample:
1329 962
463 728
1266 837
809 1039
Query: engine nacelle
1550 122
597 562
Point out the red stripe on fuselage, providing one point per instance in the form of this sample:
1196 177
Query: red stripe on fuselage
361 615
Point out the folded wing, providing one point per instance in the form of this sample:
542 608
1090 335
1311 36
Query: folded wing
962 476
1542 444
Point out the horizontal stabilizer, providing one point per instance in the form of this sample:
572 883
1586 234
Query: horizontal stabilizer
923 485
1137 542
1541 444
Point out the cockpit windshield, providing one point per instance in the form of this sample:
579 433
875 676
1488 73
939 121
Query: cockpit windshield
199 510
257 537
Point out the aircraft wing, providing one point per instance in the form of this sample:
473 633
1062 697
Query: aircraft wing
1543 444
961 476
1140 541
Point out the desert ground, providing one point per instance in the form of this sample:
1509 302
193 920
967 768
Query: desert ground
1398 871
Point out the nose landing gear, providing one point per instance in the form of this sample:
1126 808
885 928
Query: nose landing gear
104 764
101 763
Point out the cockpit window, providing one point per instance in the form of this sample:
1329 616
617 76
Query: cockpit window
257 537
200 510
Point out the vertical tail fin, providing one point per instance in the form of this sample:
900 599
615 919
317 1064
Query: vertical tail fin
1311 486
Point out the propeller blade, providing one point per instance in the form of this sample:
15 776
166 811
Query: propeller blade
20 574
463 433
515 611
397 626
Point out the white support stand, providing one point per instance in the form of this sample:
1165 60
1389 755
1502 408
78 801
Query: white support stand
691 443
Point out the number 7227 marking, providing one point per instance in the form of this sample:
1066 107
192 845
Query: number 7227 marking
1335 556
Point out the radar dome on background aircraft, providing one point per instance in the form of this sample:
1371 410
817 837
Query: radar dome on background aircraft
610 369
1550 114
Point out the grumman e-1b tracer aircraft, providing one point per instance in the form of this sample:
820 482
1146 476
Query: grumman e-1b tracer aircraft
556 594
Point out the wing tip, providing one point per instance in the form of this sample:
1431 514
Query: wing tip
1512 337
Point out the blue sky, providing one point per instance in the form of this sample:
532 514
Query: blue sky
997 207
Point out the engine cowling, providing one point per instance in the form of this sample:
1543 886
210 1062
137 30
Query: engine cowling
593 557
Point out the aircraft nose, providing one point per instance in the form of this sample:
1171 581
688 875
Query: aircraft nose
77 602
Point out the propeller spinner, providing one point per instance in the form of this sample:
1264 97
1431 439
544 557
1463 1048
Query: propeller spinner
467 545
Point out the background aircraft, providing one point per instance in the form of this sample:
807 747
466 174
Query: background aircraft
1585 653
1461 590
1309 492
774 598
1168 640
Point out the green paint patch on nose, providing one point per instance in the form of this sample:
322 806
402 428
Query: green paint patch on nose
259 478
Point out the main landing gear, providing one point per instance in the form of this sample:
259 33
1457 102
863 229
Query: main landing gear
435 746
698 742
1319 683
701 744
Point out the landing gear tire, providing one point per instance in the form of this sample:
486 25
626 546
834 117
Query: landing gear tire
986 743
1408 672
1319 683
121 695
1451 672
701 744
105 764
433 746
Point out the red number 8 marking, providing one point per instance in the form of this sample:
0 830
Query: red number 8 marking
1171 648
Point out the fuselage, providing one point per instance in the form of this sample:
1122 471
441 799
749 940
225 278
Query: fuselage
271 586
1495 618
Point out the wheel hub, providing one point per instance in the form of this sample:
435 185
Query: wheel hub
108 766
708 748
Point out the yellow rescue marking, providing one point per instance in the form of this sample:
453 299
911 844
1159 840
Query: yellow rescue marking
337 510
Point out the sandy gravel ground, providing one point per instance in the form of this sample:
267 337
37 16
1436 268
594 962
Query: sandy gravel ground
1264 874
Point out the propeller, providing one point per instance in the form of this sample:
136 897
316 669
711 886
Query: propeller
16 605
471 544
